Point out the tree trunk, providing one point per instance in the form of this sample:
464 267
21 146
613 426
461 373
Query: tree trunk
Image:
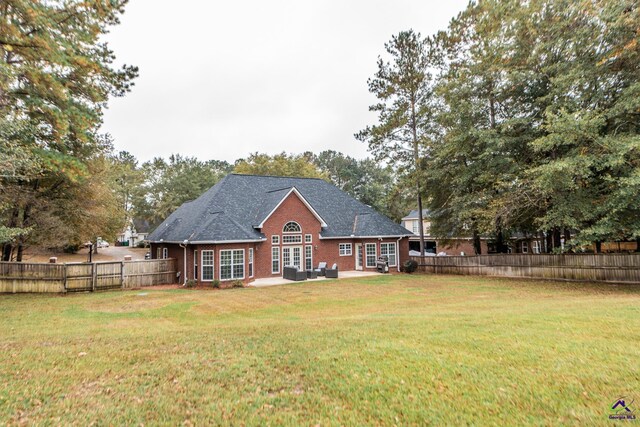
477 244
26 215
420 223
7 248
549 242
598 246
416 159
20 251
637 244
567 239
501 247
556 238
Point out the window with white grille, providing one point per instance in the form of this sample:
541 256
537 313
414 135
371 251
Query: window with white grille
389 250
232 264
275 259
292 227
308 257
291 239
370 253
345 249
207 266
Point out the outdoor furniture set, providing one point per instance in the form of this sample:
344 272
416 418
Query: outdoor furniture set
293 273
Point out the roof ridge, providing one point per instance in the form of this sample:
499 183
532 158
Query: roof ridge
280 189
274 176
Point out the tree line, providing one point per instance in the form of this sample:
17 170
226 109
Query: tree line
521 117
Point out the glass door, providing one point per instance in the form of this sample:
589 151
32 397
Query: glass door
358 256
292 256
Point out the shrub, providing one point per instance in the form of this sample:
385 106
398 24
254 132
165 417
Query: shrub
191 283
237 284
141 245
216 284
410 266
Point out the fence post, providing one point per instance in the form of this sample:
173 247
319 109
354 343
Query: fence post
64 277
122 274
94 275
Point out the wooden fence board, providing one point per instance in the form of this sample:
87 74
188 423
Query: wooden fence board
619 268
82 277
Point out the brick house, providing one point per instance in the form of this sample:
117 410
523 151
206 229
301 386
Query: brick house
432 244
248 227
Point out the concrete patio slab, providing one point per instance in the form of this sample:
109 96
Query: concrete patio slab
275 281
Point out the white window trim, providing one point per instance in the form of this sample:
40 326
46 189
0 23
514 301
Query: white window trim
347 245
250 262
244 267
279 259
525 247
213 270
196 274
395 251
291 232
165 253
310 236
275 239
375 256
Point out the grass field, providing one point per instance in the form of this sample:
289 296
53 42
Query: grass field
381 350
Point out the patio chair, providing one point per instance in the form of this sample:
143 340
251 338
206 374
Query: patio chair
292 273
322 266
331 273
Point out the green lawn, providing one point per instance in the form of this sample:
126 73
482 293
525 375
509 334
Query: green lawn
382 350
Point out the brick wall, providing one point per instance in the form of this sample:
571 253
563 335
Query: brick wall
461 245
291 209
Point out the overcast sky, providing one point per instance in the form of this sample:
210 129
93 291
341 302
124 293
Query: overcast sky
220 80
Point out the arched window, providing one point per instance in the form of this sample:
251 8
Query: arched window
291 227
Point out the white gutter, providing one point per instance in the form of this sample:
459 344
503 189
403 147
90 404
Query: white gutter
183 245
212 242
364 237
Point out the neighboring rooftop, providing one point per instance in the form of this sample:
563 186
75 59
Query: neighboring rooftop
414 214
231 209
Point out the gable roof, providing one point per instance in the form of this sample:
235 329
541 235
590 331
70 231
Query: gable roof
235 208
278 193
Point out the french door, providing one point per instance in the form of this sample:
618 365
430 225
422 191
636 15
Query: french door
292 256
359 256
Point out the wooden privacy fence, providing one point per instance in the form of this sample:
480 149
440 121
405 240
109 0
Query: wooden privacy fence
76 277
620 268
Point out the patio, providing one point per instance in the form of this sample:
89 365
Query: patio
274 281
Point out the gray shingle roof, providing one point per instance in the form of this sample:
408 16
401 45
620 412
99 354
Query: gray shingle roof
231 209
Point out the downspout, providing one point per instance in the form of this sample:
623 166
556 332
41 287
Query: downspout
183 245
398 249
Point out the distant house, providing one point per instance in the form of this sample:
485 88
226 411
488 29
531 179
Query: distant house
135 232
248 227
449 246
